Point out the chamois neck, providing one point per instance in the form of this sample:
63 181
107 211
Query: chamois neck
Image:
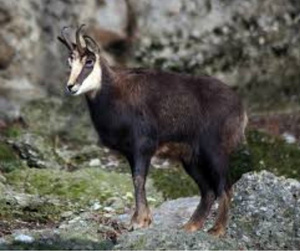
107 80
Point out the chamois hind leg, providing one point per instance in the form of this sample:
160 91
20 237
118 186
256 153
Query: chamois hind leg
211 178
218 164
219 227
198 218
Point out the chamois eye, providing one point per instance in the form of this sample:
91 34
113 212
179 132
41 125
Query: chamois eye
89 63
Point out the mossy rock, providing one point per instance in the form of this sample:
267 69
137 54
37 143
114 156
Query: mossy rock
19 207
67 118
36 150
81 187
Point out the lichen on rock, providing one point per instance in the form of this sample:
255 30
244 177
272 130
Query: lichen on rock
264 215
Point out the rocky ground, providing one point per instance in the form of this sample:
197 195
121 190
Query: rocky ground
264 215
60 190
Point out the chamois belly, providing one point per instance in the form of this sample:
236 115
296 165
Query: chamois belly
174 151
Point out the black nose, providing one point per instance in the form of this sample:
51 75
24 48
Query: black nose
69 89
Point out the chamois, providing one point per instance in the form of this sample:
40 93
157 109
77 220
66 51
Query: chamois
197 120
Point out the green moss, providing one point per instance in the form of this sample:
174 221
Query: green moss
34 211
174 183
13 131
82 185
273 154
6 152
240 162
9 161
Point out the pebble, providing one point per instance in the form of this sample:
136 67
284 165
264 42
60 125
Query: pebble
289 138
94 162
109 209
24 238
96 206
67 214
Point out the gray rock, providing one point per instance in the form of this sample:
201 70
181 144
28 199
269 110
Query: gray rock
264 215
244 43
29 30
6 53
36 151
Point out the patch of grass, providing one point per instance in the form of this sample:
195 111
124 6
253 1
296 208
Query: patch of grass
13 131
9 161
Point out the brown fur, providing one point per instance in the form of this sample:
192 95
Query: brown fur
197 120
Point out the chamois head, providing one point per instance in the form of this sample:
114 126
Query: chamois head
84 62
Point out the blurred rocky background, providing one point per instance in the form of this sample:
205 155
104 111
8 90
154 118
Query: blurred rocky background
53 176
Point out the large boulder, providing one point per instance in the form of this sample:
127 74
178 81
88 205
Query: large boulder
250 44
265 214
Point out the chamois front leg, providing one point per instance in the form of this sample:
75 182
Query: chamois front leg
142 216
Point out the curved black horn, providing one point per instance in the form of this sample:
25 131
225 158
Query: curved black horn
94 45
66 39
79 38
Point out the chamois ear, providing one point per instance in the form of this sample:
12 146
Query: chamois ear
91 44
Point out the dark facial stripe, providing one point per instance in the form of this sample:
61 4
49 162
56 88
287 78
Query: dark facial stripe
83 74
85 70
